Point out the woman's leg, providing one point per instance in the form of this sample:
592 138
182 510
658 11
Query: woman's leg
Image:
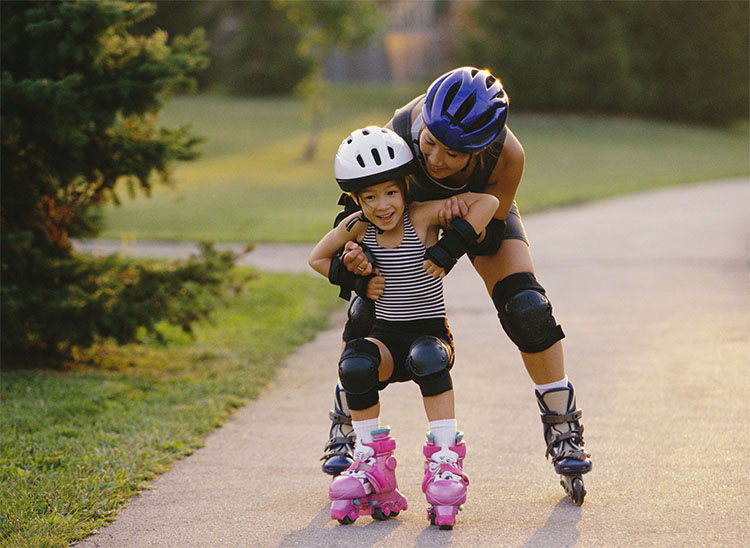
546 365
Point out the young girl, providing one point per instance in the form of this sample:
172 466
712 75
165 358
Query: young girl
410 338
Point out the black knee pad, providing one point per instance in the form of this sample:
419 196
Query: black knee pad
360 317
429 362
358 372
525 313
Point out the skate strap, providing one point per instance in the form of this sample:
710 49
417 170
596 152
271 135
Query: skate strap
559 419
571 435
338 418
335 442
437 468
374 475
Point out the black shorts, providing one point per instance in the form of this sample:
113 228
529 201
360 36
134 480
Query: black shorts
399 336
514 226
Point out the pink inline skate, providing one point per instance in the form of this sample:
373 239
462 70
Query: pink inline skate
444 483
368 486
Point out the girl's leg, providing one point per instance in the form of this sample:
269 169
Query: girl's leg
444 483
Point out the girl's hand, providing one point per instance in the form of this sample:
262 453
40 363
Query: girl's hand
354 259
453 207
375 287
434 270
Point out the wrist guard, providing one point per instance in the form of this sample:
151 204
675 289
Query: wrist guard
454 243
493 239
348 281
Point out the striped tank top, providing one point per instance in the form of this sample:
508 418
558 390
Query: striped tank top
410 293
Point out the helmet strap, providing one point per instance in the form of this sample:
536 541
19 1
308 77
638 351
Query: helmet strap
467 163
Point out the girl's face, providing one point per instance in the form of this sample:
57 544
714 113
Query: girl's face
383 204
440 161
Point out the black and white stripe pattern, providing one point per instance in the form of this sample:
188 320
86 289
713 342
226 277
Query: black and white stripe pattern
410 293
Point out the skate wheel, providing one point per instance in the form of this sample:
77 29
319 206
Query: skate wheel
445 527
346 521
578 492
574 488
379 515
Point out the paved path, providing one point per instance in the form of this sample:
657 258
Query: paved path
653 291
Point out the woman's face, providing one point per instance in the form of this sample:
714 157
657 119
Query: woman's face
440 161
383 204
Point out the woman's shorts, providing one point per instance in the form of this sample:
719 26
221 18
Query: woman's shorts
514 226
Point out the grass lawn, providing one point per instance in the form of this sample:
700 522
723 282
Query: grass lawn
251 186
77 442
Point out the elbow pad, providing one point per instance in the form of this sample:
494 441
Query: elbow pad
454 243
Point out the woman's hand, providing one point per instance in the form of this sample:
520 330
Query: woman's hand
375 286
355 261
453 207
434 270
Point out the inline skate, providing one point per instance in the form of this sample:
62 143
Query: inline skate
368 486
444 483
563 434
340 447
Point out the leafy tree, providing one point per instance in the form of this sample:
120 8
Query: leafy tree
323 26
252 45
80 103
685 60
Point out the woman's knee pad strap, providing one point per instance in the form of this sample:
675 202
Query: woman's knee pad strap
358 372
525 312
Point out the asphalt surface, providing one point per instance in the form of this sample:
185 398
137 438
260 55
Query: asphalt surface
653 292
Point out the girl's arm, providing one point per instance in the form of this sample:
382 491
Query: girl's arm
322 254
479 209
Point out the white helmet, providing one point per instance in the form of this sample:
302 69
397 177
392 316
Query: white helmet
371 155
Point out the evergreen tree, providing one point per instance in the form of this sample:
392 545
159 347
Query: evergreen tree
80 100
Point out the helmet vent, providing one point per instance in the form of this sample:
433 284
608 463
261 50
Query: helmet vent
391 153
376 156
482 121
349 141
489 81
365 132
360 161
450 96
465 109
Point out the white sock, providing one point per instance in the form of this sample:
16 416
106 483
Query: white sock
444 432
363 429
542 388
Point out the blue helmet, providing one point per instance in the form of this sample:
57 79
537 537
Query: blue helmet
465 109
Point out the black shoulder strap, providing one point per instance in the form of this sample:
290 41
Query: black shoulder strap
402 120
484 169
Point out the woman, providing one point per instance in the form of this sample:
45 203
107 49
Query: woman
457 132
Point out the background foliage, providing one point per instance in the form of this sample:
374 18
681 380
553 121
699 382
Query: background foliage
666 59
80 99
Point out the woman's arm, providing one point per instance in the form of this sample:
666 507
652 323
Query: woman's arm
506 177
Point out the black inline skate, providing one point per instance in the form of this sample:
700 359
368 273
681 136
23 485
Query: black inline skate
564 436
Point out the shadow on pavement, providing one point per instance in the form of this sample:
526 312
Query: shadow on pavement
560 529
365 532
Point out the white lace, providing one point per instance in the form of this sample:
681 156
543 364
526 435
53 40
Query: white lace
444 456
367 455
